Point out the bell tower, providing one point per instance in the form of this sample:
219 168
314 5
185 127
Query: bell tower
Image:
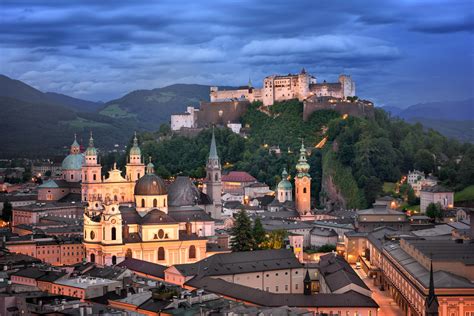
91 171
213 183
303 184
135 168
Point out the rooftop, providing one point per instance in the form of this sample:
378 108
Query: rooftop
238 176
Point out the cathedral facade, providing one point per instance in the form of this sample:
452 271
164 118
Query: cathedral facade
140 216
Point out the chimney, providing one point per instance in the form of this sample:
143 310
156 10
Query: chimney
188 228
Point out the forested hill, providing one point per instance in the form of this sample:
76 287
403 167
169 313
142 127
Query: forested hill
349 171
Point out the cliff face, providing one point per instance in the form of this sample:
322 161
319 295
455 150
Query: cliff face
338 187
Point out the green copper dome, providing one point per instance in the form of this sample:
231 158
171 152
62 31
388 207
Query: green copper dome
73 162
284 184
302 166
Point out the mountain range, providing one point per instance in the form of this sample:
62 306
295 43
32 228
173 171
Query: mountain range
454 118
41 123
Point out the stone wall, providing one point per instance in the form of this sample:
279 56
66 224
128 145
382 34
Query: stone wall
221 113
357 108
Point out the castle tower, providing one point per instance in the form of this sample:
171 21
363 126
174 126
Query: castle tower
303 184
91 171
213 182
284 188
431 302
347 86
303 85
135 168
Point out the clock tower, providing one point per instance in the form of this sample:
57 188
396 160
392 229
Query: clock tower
303 184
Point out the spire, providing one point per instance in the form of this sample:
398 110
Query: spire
150 168
307 284
135 140
75 147
302 167
91 141
213 150
250 83
431 302
284 174
303 71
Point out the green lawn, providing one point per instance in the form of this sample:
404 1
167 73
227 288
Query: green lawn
389 187
465 195
114 110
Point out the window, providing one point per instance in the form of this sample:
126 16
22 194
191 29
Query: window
192 252
143 202
138 175
286 287
94 177
114 260
161 253
92 257
216 177
155 202
304 190
296 286
72 177
92 235
276 288
114 233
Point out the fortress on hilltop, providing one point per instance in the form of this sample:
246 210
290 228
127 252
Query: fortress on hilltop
226 107
292 86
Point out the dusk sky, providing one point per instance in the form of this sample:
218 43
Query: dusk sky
399 52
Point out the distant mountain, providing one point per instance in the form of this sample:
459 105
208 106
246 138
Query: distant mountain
153 107
74 103
454 119
21 91
440 110
30 129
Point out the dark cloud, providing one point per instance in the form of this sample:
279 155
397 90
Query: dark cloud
103 49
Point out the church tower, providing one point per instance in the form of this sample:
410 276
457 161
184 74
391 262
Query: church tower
431 302
91 172
303 184
284 188
213 184
135 168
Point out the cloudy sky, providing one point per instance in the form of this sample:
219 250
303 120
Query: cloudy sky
399 52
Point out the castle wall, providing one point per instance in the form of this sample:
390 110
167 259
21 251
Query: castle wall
221 113
358 109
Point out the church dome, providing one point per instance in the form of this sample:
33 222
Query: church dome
150 184
284 184
73 162
182 192
135 151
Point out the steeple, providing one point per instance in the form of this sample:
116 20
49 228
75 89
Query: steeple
431 302
213 149
307 284
135 168
150 168
250 83
75 147
302 167
91 151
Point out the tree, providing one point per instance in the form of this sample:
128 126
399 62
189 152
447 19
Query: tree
424 161
7 211
242 237
327 248
434 211
275 239
258 232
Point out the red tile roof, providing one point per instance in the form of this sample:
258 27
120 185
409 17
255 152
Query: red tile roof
238 176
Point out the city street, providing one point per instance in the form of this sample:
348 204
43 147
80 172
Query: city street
388 307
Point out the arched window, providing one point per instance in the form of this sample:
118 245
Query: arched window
92 235
114 233
72 177
216 177
92 257
155 202
192 252
114 260
304 190
115 198
164 202
143 202
138 175
128 253
94 177
161 253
